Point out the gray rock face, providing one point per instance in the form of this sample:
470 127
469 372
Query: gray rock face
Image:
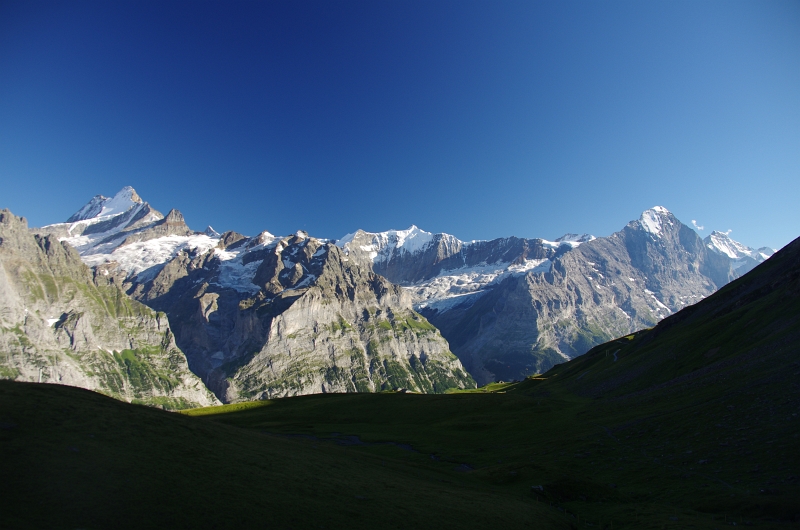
265 316
60 323
300 318
512 307
408 257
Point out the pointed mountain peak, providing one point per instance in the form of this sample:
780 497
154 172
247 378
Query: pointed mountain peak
719 235
128 193
655 220
174 216
210 232
264 238
722 243
102 206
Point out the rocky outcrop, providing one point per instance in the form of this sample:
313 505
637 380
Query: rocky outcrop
511 307
311 320
602 289
60 323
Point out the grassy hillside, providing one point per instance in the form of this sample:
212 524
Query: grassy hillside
693 424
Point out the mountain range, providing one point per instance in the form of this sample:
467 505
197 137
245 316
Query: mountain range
266 316
690 424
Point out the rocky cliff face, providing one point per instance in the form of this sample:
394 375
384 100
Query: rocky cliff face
60 323
264 316
267 317
511 307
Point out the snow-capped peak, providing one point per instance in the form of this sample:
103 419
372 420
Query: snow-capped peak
410 240
121 202
381 246
722 243
101 206
653 220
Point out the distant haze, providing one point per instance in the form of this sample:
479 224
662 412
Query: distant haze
479 119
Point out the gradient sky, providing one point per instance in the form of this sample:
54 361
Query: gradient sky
480 119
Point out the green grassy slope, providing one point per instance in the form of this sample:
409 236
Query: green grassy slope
693 424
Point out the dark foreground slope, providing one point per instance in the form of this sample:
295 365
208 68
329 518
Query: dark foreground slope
71 458
691 424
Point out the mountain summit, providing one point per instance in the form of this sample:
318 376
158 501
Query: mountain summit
744 258
101 206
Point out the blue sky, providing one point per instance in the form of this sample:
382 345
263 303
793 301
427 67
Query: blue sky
480 119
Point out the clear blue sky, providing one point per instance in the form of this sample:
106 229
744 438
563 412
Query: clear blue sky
480 119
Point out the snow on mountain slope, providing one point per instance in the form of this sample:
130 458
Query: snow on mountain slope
382 245
101 206
144 258
125 235
743 257
455 268
654 219
447 289
575 238
103 217
722 243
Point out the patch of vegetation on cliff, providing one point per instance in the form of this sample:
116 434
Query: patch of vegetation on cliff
20 335
8 372
140 371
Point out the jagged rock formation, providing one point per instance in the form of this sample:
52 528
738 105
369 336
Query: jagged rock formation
305 321
511 307
61 323
744 258
508 307
266 316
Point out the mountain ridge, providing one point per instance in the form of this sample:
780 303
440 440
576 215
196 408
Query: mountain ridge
62 322
480 294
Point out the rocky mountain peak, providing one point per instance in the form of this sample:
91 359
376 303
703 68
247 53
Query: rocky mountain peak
656 221
8 218
101 206
721 242
174 217
264 238
230 238
744 258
